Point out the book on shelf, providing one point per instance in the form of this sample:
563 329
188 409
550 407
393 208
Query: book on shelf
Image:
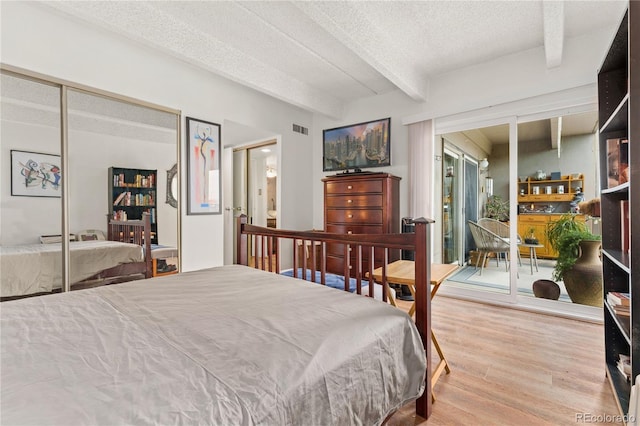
618 298
622 311
617 161
624 365
120 197
625 229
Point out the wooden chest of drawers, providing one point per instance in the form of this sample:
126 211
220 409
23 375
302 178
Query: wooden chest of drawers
367 203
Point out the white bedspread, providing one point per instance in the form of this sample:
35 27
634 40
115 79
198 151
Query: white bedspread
223 346
35 268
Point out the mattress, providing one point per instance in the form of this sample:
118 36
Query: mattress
229 346
35 268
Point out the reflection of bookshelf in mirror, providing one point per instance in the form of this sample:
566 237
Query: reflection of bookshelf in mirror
618 92
132 192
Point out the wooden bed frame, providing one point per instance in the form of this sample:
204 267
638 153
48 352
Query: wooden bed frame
133 232
265 244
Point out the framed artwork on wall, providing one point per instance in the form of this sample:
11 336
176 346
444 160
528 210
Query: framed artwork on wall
34 174
203 167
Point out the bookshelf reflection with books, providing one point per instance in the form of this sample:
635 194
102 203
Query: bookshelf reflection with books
620 303
132 192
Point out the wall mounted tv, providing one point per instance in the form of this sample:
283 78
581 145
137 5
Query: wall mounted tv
357 146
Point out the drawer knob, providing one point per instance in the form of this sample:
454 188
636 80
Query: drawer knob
349 201
349 232
349 187
349 216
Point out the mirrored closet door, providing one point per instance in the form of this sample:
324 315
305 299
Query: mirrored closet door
31 190
73 160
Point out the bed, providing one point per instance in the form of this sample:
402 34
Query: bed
35 269
261 248
226 345
229 345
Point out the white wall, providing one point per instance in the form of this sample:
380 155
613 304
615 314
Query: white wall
41 40
24 219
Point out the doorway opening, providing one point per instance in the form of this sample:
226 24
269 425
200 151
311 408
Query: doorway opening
255 184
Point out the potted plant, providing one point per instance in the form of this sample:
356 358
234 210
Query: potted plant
531 236
578 264
497 208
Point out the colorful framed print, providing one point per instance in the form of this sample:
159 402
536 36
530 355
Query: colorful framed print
34 174
203 167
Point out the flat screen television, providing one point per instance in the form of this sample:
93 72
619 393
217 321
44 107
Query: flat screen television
357 146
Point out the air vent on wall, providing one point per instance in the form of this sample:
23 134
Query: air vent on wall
300 129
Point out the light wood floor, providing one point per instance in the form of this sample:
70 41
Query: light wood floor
510 367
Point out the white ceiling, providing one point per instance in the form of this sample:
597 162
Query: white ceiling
320 55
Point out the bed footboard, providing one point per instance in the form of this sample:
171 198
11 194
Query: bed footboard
134 232
261 248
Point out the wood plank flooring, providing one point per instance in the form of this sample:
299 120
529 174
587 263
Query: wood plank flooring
511 367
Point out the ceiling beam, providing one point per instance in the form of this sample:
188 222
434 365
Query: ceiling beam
141 22
346 22
553 23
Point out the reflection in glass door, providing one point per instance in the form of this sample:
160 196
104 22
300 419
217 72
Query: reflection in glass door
471 174
255 171
450 207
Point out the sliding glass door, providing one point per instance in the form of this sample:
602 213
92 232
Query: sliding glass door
451 207
459 204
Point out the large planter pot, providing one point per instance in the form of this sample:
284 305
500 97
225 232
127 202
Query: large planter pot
584 280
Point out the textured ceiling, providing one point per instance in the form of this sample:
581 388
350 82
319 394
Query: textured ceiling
321 54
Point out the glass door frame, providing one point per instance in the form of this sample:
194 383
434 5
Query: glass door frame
461 211
512 299
242 184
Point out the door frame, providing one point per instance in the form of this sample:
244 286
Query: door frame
241 186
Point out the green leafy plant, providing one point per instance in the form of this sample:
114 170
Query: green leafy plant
497 208
564 236
565 224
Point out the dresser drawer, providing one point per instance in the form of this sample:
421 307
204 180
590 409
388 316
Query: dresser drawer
353 229
354 201
335 263
354 187
372 216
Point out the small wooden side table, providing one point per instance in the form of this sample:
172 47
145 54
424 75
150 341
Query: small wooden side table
403 272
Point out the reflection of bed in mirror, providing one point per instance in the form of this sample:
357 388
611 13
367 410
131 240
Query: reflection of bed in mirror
35 269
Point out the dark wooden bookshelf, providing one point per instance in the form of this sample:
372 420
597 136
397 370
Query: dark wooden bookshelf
141 184
618 92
